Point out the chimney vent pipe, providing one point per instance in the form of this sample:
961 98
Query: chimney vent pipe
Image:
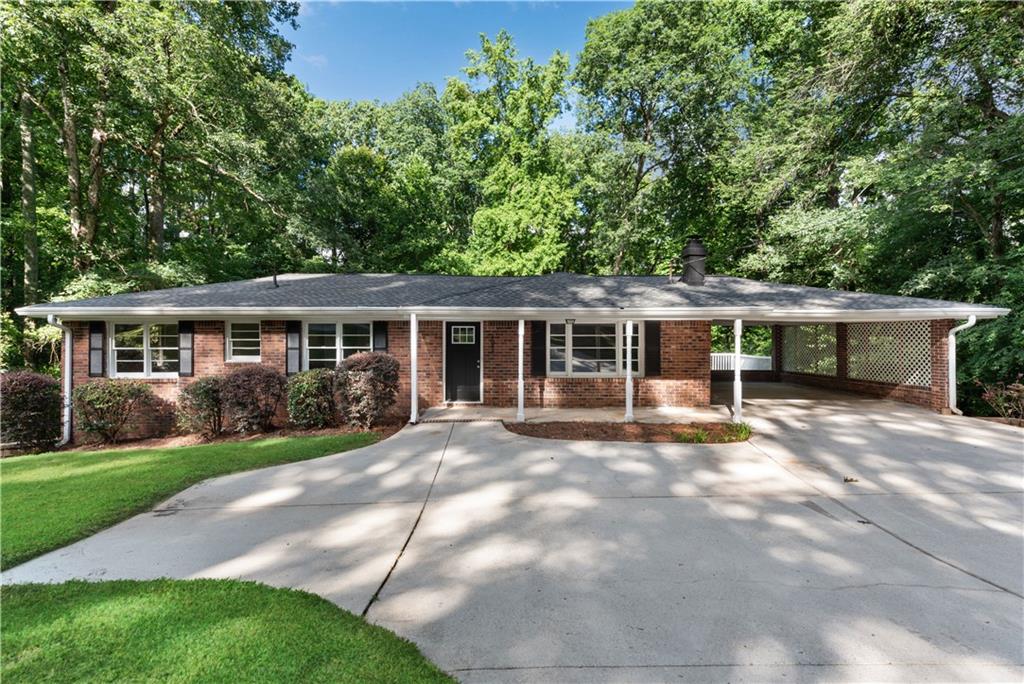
694 256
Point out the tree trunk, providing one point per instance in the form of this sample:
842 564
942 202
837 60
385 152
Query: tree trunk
28 201
69 137
155 211
96 171
996 236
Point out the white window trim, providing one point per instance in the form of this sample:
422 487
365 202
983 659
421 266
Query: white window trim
228 356
620 350
147 361
339 351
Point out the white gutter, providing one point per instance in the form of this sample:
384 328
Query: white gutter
951 354
67 352
749 313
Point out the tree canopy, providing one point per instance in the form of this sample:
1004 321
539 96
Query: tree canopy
858 145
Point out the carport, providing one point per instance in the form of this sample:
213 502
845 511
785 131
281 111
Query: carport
907 359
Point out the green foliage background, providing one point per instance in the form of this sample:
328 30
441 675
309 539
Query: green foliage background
857 145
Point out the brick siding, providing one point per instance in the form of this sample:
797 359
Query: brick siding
685 378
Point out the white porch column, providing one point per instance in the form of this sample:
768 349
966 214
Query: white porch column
629 372
521 410
414 412
737 363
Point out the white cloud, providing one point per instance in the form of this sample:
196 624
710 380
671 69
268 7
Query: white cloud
318 61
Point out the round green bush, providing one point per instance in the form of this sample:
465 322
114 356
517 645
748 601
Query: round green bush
372 386
31 410
201 408
311 399
106 408
251 396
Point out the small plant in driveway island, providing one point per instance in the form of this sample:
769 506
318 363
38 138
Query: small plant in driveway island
251 397
738 432
31 410
698 436
107 408
200 407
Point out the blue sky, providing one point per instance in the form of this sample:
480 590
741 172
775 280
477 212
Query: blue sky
376 50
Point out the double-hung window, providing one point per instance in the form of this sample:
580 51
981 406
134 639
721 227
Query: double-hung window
327 344
243 342
591 349
322 345
145 350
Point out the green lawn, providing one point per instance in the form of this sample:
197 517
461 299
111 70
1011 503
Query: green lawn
50 500
195 631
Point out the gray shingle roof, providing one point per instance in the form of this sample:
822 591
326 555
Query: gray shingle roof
558 291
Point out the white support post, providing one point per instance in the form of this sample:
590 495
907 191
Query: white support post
521 410
737 363
414 412
629 372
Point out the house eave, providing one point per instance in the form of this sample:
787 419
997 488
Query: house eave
759 314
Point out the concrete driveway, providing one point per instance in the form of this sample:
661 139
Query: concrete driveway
539 560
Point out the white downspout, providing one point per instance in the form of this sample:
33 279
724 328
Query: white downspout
66 375
951 358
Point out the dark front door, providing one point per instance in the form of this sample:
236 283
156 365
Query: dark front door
462 361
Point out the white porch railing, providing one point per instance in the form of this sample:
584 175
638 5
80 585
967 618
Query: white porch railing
723 362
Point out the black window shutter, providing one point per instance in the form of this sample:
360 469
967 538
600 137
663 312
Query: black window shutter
380 336
186 333
652 348
97 340
538 348
293 346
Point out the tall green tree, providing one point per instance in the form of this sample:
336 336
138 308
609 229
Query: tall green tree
501 119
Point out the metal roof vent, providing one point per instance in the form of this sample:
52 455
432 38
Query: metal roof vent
694 256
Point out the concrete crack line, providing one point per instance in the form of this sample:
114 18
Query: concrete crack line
376 594
185 509
885 529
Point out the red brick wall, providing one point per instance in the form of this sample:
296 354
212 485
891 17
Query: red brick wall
208 359
934 397
429 356
685 378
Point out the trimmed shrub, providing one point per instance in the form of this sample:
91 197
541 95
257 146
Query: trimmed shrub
372 386
251 396
311 398
31 404
200 407
106 408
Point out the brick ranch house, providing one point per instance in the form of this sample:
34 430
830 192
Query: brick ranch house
558 340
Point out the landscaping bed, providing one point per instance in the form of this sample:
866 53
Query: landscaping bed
195 631
53 499
691 433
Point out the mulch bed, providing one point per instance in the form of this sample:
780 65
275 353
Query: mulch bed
716 433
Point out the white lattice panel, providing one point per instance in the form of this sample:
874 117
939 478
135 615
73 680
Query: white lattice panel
897 352
809 349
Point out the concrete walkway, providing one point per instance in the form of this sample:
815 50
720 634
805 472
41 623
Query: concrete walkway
540 560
